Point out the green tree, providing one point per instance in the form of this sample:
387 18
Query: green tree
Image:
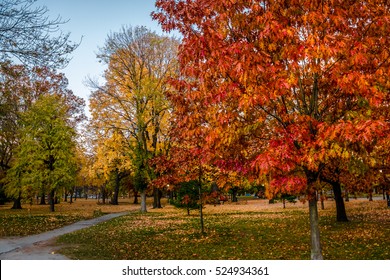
20 87
46 156
187 196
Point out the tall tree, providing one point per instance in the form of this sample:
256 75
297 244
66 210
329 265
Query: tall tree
289 82
112 159
132 99
20 87
46 155
30 36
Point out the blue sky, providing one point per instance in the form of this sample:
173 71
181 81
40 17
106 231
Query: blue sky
93 20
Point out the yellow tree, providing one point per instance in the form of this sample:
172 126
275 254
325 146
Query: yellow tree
112 159
132 98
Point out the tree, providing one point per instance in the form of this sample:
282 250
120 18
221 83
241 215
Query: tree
183 167
20 87
283 85
132 100
46 155
27 34
187 196
112 159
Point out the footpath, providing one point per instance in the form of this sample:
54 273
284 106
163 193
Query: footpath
41 246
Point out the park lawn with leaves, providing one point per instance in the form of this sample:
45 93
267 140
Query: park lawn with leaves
34 219
254 230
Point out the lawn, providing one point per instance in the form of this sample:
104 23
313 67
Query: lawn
33 219
252 230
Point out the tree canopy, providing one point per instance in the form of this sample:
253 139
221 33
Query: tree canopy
132 103
46 156
283 89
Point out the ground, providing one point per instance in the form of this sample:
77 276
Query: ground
250 229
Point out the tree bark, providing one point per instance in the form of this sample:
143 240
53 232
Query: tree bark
114 199
143 201
370 195
135 197
43 202
51 200
316 252
234 195
103 190
340 207
322 198
156 198
346 195
201 208
17 203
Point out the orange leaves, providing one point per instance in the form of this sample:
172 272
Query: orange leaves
359 131
283 89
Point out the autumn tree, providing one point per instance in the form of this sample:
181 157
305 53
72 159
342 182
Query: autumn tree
132 98
20 87
46 154
112 159
30 36
284 87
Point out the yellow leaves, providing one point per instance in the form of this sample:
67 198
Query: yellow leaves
272 47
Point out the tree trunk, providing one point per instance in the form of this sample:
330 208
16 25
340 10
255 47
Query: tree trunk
51 200
201 209
316 252
17 203
370 195
322 198
143 201
346 195
234 195
340 207
170 197
156 198
135 197
43 202
114 199
103 192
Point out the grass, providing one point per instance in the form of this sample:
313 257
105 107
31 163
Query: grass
35 219
252 230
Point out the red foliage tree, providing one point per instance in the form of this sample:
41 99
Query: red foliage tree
284 88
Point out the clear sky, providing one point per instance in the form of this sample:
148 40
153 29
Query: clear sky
93 20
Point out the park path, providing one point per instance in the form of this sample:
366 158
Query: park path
41 246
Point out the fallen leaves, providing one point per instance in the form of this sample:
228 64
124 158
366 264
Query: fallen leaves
249 231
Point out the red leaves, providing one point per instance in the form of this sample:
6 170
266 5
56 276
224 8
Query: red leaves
363 131
283 90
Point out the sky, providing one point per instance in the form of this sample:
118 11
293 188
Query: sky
91 21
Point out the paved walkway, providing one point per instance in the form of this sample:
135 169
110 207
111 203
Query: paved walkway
41 246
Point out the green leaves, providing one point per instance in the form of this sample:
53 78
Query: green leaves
45 158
